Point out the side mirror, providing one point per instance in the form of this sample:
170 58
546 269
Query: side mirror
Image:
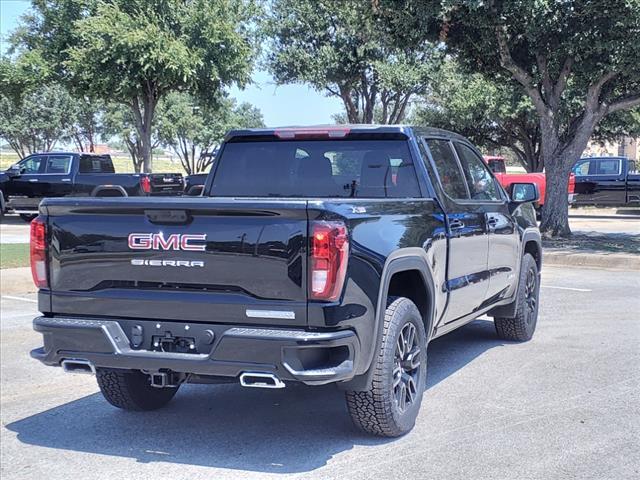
524 193
14 171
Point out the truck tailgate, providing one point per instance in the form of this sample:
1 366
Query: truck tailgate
191 259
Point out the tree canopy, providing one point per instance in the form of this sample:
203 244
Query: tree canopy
134 52
339 49
36 112
493 113
194 129
576 60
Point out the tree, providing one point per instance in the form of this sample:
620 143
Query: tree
493 113
576 60
37 121
622 124
135 52
87 123
194 129
338 48
119 123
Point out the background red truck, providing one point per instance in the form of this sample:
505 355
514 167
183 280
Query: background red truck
498 167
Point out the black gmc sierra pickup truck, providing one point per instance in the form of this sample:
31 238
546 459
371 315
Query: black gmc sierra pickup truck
611 181
317 255
72 174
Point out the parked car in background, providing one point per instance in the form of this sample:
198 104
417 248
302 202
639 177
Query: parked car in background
194 184
607 181
498 167
71 174
315 255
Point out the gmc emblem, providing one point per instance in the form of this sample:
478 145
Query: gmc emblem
175 241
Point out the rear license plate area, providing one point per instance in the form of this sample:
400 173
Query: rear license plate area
173 344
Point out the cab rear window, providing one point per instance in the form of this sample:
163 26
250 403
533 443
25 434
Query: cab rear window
96 164
320 168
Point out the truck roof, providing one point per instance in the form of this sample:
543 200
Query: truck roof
350 128
64 152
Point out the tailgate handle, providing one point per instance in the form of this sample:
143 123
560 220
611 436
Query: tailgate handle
173 217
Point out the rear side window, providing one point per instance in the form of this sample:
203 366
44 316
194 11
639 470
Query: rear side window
316 168
497 166
59 164
451 177
481 184
96 164
608 167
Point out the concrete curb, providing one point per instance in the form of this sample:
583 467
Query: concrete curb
610 261
16 280
606 217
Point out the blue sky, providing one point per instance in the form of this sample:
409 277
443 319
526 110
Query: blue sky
283 105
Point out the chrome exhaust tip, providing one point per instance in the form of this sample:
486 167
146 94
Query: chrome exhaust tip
76 365
260 380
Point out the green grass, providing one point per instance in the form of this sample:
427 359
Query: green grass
14 255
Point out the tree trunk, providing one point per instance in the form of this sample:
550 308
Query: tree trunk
555 211
559 157
144 126
145 148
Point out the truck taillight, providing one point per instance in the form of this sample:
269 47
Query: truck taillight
572 183
145 184
39 252
328 259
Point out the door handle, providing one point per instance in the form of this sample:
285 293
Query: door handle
66 179
456 224
33 180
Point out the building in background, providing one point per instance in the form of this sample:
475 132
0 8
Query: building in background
625 147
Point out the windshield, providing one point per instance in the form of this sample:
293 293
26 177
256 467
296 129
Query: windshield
320 168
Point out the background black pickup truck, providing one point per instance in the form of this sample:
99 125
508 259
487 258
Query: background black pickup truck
606 181
68 174
317 255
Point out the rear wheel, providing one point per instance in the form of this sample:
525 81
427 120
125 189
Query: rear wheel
132 390
521 327
390 407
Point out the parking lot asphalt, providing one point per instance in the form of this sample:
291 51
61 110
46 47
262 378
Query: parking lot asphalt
14 230
564 405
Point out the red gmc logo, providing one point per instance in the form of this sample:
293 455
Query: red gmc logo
175 241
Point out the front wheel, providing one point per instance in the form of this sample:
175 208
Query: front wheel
521 327
132 390
390 407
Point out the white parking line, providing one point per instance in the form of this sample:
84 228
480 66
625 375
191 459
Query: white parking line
567 288
9 297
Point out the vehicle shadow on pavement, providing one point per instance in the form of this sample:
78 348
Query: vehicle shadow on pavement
296 429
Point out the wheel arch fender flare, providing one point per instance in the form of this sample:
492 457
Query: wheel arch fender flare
102 188
532 235
402 260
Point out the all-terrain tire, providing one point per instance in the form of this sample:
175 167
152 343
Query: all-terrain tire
378 410
131 390
521 327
